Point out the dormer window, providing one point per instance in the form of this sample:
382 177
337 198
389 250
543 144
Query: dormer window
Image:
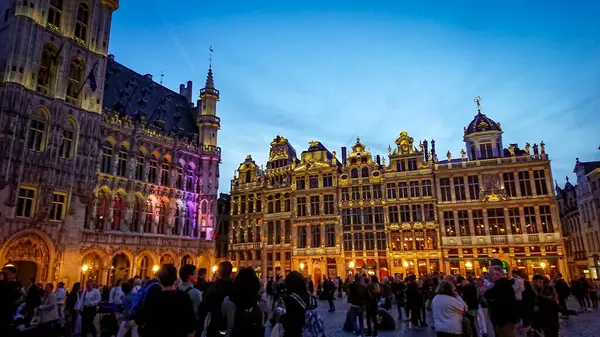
486 150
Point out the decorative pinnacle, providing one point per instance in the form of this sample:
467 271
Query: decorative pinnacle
210 82
477 100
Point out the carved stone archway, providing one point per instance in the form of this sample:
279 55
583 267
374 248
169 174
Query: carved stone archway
30 247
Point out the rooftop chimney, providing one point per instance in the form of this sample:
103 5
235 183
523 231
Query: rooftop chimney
148 76
425 149
186 91
344 155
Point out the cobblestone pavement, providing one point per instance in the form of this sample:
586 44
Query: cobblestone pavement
583 325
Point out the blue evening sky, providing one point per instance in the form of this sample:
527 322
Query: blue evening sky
334 70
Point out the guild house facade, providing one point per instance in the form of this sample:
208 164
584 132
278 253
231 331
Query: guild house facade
411 213
104 173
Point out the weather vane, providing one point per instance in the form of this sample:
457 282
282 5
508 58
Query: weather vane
477 100
210 48
161 77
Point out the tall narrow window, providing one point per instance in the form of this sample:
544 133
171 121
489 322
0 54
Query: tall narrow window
153 170
509 184
445 189
463 223
403 190
381 241
412 164
144 267
162 215
478 222
301 206
67 143
546 217
139 166
473 187
393 214
378 215
107 156
288 231
248 177
540 182
404 213
429 212
122 164
165 168
36 139
47 70
315 234
149 217
486 150
189 179
524 183
179 180
138 209
347 242
176 222
377 194
327 180
54 14
364 172
82 22
366 192
355 193
417 212
328 204
313 181
431 239
459 189
270 232
367 216
301 243
315 205
75 80
59 206
330 235
277 232
370 241
391 191
359 241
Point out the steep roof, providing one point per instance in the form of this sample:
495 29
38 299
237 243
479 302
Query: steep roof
587 166
139 97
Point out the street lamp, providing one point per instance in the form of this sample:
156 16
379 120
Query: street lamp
543 265
351 264
301 266
469 264
405 264
84 268
214 269
155 268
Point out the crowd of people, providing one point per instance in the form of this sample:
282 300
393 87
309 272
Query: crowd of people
184 303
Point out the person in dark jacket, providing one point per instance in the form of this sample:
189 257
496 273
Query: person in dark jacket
502 303
357 298
414 299
398 291
470 295
213 301
374 295
294 319
329 289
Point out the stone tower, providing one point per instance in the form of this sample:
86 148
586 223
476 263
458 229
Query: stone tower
208 127
52 66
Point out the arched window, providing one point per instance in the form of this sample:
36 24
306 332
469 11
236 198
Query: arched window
107 156
122 164
36 139
47 69
138 208
144 267
179 181
82 22
76 74
139 166
149 217
365 172
162 217
354 173
153 168
117 210
67 145
104 203
248 176
164 172
54 14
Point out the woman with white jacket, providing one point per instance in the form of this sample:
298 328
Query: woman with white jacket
448 309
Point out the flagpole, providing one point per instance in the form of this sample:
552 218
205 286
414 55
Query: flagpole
87 78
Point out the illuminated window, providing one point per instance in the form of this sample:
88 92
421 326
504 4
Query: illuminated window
515 220
107 155
47 70
139 166
478 222
122 162
26 202
463 223
496 221
55 13
546 217
75 80
162 218
82 22
315 233
449 226
59 206
144 267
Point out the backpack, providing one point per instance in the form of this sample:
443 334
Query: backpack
139 301
313 326
247 322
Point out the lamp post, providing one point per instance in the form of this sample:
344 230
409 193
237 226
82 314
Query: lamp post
84 268
155 268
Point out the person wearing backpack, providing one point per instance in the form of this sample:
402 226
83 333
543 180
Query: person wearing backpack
127 323
300 318
211 305
188 276
139 310
241 311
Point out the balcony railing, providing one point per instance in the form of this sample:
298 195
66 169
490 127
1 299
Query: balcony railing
208 119
501 239
210 150
491 162
138 239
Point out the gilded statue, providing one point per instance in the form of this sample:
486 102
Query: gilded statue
511 149
463 154
449 155
542 147
527 148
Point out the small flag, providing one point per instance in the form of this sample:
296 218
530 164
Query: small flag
92 78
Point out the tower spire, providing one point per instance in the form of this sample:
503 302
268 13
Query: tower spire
210 82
